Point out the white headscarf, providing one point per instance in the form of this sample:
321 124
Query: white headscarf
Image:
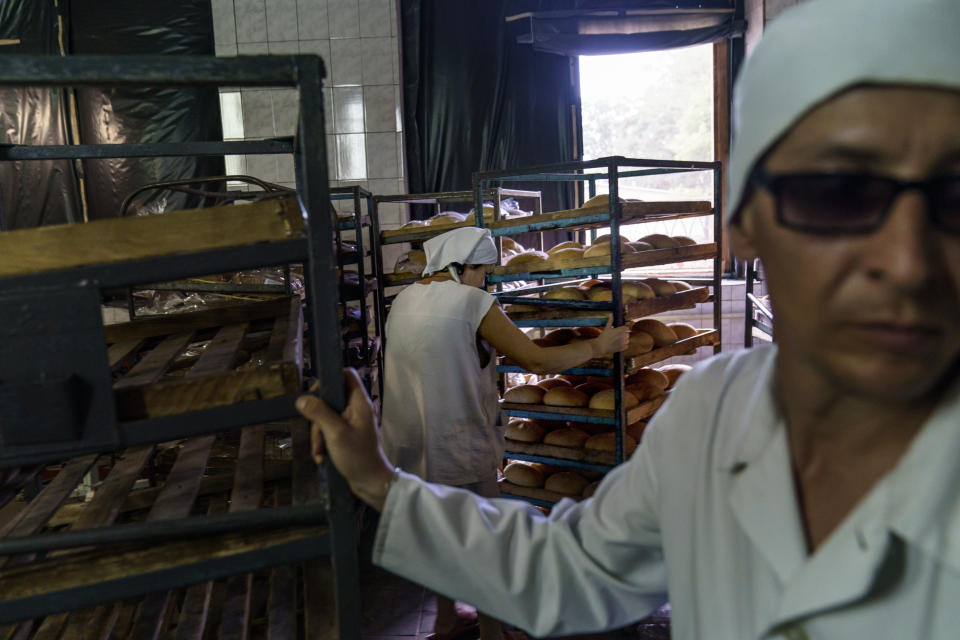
466 245
820 47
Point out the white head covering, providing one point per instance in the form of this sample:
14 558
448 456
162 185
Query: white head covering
821 47
466 245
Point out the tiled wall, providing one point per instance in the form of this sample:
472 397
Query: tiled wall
357 40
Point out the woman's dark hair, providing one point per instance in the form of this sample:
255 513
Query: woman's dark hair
458 266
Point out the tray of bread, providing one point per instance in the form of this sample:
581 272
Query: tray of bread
579 442
547 483
420 230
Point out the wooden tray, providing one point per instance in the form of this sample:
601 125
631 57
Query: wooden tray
24 251
577 454
639 309
628 261
631 212
535 493
577 414
256 473
150 389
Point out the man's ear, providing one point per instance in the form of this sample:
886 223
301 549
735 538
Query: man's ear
741 233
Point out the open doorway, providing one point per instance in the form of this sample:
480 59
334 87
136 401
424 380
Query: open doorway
654 105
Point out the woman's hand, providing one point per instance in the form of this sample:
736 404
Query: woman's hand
352 440
612 339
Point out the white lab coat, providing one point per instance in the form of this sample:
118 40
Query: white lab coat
706 512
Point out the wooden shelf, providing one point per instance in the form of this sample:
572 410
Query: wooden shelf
704 338
601 264
535 493
607 458
639 309
579 414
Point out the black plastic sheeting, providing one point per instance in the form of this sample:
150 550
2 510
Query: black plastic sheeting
474 99
47 192
547 35
38 191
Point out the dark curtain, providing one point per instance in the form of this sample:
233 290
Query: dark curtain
148 114
475 100
34 192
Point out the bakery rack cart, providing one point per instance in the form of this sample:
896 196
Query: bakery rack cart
100 400
574 313
757 315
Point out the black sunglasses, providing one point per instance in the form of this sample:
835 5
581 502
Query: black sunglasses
853 203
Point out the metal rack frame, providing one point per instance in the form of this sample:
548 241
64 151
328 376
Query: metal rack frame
753 304
575 171
82 286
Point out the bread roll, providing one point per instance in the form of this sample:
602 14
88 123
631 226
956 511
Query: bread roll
635 430
564 245
662 334
552 383
660 241
604 294
522 308
640 343
597 250
605 400
660 287
525 474
602 200
531 258
550 425
567 437
591 388
674 371
567 254
414 261
565 293
644 390
524 431
608 442
568 483
639 245
684 241
524 394
683 330
413 224
544 342
588 332
510 244
565 397
639 290
446 218
653 376
586 285
680 285
605 238
590 489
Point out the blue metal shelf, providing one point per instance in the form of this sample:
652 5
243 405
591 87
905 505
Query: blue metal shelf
560 462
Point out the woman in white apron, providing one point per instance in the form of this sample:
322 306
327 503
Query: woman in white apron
440 407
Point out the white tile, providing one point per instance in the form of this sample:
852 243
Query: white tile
343 16
262 166
257 113
378 60
396 59
285 171
375 17
398 100
231 115
384 187
380 108
224 22
281 20
328 120
332 157
285 110
251 18
225 50
382 155
235 165
346 62
312 19
393 18
351 156
317 47
252 48
400 155
348 109
283 47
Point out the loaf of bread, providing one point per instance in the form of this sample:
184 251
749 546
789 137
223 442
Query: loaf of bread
524 431
565 397
680 285
447 218
511 245
522 308
683 330
564 245
591 388
644 390
652 376
551 383
635 430
413 224
660 287
661 333
524 394
639 290
561 336
639 343
604 294
530 258
606 400
568 483
660 241
590 489
565 293
640 245
413 262
567 437
684 241
567 254
674 371
602 200
589 332
608 442
525 474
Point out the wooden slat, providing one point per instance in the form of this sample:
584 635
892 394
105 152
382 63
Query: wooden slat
236 608
703 338
153 365
221 353
105 506
116 240
196 602
195 320
175 396
639 412
120 351
633 310
40 509
628 260
286 339
281 607
51 628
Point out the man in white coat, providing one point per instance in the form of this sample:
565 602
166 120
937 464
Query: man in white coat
803 490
